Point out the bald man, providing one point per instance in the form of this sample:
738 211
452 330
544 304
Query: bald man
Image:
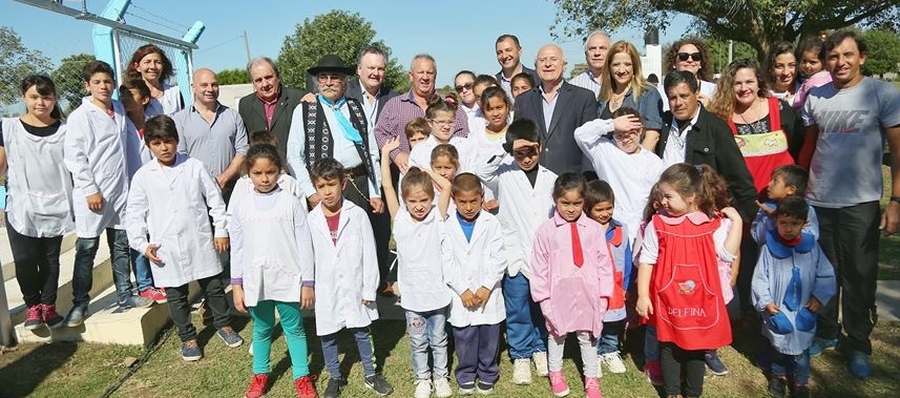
595 47
558 108
211 132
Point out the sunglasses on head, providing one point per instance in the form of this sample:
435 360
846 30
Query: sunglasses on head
467 86
683 57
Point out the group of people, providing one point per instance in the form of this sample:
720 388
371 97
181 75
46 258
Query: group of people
586 207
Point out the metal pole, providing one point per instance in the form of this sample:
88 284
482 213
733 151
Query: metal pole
6 327
247 46
730 51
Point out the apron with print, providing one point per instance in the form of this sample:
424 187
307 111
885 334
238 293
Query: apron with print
764 152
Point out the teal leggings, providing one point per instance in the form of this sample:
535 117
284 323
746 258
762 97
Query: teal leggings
291 322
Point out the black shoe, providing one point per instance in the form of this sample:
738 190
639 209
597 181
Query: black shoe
334 388
800 391
379 384
777 387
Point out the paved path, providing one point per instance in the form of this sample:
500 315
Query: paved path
887 299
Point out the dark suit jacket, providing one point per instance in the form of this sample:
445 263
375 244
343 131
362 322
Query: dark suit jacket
575 106
711 142
525 69
354 90
254 114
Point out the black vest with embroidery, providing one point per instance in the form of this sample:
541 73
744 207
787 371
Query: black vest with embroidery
320 144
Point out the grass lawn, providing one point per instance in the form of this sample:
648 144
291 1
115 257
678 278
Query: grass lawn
889 247
87 370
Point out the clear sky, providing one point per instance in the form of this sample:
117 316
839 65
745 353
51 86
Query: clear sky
459 34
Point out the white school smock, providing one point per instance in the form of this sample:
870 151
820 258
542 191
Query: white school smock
631 176
476 263
484 148
420 261
173 205
420 156
243 188
346 271
523 208
39 187
170 102
270 246
100 152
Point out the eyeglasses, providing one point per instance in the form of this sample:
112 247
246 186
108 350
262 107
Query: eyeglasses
683 57
440 122
467 86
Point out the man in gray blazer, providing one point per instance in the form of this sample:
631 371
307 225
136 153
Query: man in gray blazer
558 108
369 88
272 105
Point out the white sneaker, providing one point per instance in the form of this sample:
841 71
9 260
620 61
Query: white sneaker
423 388
250 348
613 362
540 363
442 388
522 371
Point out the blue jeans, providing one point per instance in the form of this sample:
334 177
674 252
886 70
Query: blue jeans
291 323
363 344
141 267
428 329
525 329
609 337
83 275
651 344
781 363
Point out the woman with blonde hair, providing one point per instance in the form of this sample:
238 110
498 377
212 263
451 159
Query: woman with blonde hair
623 85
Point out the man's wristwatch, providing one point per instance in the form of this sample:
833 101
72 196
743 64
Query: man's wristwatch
895 199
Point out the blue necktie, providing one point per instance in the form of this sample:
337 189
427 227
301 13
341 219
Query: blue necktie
792 296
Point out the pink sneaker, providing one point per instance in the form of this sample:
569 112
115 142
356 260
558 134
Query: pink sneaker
34 317
157 295
558 384
51 317
592 387
653 372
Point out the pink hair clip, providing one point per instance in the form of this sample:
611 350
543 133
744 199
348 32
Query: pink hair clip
448 99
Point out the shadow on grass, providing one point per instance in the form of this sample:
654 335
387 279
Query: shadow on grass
21 377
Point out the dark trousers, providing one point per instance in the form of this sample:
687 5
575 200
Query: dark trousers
180 308
120 259
364 344
749 257
675 362
526 332
477 349
849 238
37 266
357 191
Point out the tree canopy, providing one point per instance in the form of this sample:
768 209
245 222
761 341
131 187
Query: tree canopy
233 76
69 84
883 55
17 62
759 23
336 32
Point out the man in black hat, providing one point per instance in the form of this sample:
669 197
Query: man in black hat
335 126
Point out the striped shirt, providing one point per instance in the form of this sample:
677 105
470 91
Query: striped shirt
399 111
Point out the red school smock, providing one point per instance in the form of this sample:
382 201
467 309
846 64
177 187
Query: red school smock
687 295
764 152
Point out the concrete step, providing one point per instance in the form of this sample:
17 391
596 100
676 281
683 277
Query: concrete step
6 257
102 279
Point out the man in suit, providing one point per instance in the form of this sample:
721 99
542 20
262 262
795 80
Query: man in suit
558 108
690 134
272 105
369 88
509 56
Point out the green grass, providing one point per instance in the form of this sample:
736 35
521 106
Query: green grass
889 247
87 370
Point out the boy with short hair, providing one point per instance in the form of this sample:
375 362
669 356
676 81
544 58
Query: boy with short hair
346 275
477 307
417 130
525 191
599 202
787 180
102 151
793 279
172 199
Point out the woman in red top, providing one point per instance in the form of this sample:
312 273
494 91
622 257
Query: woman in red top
766 129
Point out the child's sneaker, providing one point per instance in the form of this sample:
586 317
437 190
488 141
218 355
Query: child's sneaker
860 365
305 388
257 387
190 351
333 390
613 362
377 383
442 387
521 371
230 337
558 384
157 295
800 391
592 387
466 389
484 388
540 363
819 344
34 317
777 386
135 302
714 363
653 372
423 388
76 316
51 317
